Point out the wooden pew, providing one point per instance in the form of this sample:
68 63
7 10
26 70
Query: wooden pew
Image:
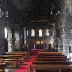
52 63
50 54
14 59
12 62
52 67
24 54
17 53
52 59
2 65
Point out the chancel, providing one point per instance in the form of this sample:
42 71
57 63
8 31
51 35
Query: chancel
35 35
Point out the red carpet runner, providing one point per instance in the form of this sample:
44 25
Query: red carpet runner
26 66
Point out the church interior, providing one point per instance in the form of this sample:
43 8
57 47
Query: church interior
35 35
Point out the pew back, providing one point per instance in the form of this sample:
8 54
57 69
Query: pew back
51 53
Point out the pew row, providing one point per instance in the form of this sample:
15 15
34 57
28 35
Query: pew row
14 60
52 67
24 54
51 62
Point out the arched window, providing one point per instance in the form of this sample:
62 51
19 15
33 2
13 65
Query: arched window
47 32
32 33
27 32
40 33
5 32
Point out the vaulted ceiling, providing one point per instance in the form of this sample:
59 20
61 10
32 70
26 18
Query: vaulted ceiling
32 13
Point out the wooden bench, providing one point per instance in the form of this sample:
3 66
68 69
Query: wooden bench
2 65
25 55
51 53
17 53
12 60
51 56
57 66
51 67
52 59
51 62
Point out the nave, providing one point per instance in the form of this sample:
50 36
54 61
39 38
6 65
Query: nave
35 35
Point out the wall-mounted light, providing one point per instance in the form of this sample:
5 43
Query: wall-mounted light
37 42
41 42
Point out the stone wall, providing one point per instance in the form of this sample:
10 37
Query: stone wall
67 26
67 38
3 41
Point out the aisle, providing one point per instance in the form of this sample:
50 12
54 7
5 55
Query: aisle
26 66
